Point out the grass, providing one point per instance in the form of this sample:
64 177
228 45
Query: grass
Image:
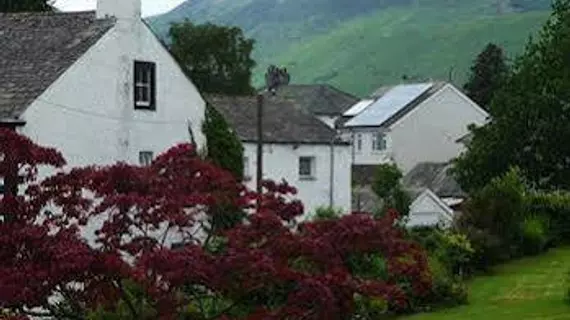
528 289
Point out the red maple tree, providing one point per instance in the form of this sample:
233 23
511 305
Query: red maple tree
264 266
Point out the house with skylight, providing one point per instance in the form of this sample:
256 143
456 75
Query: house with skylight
409 124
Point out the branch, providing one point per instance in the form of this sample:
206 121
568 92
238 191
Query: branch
127 299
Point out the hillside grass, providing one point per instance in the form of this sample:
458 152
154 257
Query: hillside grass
528 289
375 50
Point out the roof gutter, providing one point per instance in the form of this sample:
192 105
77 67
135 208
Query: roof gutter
11 123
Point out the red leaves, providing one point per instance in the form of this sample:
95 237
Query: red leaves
267 263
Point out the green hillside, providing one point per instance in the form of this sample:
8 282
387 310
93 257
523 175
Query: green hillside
364 44
364 54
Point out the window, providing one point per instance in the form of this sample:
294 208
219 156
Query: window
145 158
307 168
359 142
145 82
246 169
378 141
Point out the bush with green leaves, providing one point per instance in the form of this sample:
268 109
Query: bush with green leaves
387 186
450 256
555 207
326 213
492 219
448 289
534 234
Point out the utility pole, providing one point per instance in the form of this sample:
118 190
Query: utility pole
274 77
259 145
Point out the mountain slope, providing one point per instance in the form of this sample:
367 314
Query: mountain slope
360 45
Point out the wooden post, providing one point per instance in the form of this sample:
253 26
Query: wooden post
259 146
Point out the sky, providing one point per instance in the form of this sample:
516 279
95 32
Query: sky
150 7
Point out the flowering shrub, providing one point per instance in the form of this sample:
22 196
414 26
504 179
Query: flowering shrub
265 266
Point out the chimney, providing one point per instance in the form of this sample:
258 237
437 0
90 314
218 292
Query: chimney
120 9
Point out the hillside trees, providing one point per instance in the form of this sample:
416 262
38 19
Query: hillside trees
264 267
487 75
530 116
216 58
25 5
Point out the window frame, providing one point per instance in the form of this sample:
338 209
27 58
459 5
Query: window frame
143 158
358 142
312 168
379 137
148 83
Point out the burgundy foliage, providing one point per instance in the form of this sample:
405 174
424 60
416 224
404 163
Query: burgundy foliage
83 234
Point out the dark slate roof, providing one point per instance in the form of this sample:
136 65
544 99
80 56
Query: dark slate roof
283 121
36 48
435 176
318 99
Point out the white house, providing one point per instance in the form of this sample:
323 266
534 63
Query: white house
98 86
410 123
323 101
428 209
297 148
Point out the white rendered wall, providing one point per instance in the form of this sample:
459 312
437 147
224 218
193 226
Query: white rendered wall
88 113
281 161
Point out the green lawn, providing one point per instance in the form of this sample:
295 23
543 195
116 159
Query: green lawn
531 288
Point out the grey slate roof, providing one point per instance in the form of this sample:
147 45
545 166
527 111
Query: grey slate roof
435 176
283 121
318 99
36 48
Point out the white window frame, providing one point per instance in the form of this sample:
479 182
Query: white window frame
146 81
145 158
311 175
358 142
379 137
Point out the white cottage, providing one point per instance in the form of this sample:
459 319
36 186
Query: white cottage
298 148
409 124
98 86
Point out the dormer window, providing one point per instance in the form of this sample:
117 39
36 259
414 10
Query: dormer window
145 85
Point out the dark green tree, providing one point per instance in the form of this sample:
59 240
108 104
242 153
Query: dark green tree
224 146
25 5
216 58
531 113
386 185
487 75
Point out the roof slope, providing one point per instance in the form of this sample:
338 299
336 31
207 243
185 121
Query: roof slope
392 104
37 48
321 99
283 121
434 176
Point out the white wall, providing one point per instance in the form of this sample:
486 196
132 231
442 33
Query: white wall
328 120
281 161
429 132
425 211
88 113
426 134
366 155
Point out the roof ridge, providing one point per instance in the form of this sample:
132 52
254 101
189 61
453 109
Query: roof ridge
47 13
